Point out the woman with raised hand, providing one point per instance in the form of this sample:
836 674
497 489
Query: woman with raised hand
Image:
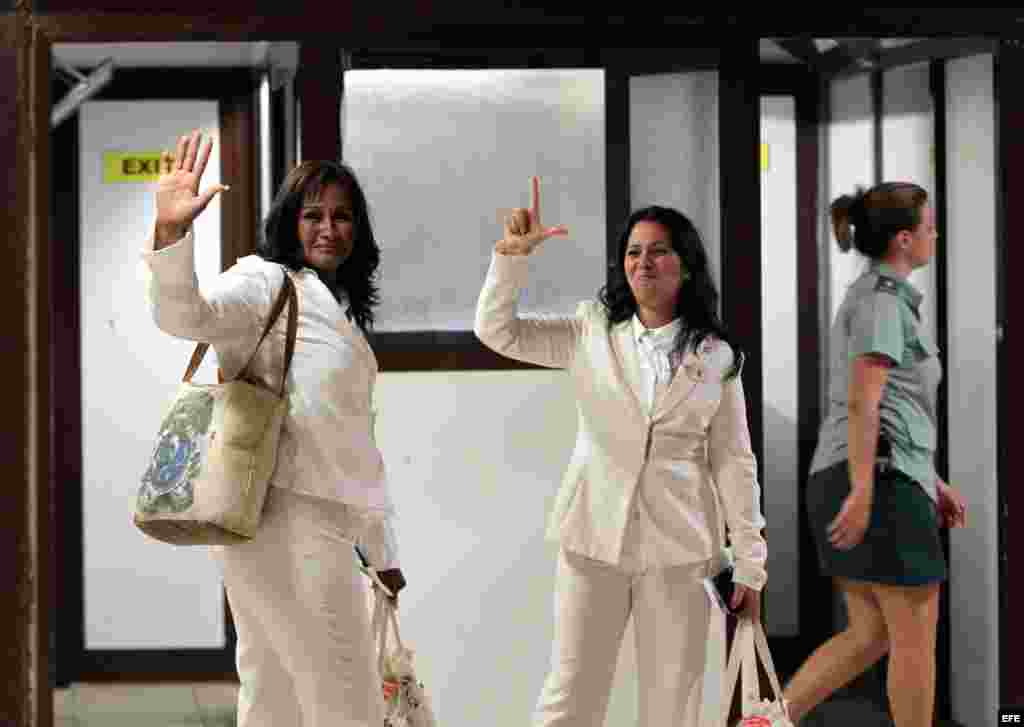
305 652
662 438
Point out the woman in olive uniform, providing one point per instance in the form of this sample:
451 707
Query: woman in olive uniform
874 499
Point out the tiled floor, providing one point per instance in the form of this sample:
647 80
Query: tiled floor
145 705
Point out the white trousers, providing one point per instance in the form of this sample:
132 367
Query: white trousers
305 655
593 602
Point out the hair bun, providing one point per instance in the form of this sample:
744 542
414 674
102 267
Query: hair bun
846 211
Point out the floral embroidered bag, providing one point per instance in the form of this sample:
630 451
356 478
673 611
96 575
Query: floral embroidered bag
216 449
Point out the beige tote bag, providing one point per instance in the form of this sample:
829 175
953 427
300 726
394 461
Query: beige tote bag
216 449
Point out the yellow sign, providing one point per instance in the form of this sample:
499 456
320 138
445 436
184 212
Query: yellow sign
132 166
764 157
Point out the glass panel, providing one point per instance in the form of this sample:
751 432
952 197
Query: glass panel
442 153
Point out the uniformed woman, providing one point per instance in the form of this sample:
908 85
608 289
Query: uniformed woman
874 498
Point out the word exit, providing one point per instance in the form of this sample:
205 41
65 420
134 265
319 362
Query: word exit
136 166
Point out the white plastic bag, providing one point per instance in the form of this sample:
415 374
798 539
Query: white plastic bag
405 699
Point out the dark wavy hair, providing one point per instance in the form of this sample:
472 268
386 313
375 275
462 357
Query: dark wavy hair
869 219
697 304
357 276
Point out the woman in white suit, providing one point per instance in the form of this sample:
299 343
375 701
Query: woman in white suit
662 439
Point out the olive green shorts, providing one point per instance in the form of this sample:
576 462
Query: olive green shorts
901 545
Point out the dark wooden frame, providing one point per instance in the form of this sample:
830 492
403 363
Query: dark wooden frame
234 90
26 448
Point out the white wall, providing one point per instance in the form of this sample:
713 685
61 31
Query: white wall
474 474
673 150
139 593
779 374
970 243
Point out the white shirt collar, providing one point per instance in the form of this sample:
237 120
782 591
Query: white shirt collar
660 338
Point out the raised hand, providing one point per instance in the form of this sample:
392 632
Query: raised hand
178 201
523 230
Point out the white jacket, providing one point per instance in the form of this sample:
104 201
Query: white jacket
691 450
327 445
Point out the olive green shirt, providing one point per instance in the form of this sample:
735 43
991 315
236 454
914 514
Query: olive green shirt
880 315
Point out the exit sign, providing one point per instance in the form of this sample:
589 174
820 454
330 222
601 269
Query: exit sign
133 166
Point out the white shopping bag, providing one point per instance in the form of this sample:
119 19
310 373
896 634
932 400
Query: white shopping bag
748 644
405 699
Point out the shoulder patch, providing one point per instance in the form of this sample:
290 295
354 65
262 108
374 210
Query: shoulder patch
886 285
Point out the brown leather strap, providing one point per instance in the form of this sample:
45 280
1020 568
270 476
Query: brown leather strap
197 358
293 328
287 295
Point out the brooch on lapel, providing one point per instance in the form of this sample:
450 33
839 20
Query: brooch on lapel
693 365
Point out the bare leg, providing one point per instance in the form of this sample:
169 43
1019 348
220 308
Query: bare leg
911 616
843 657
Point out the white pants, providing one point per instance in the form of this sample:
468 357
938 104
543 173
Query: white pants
593 602
305 655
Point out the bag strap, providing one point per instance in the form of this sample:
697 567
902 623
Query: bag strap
287 295
749 643
751 684
741 643
761 642
384 616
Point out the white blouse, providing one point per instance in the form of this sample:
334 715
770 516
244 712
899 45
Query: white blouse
656 344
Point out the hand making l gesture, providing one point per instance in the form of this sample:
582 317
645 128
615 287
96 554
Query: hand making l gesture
523 230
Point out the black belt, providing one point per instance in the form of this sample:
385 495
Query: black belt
883 453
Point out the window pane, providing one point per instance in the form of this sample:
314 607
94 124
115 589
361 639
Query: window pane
441 153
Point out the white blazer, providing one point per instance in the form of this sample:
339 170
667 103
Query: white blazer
691 452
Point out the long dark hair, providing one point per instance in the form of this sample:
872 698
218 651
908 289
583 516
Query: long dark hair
697 303
876 216
357 276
